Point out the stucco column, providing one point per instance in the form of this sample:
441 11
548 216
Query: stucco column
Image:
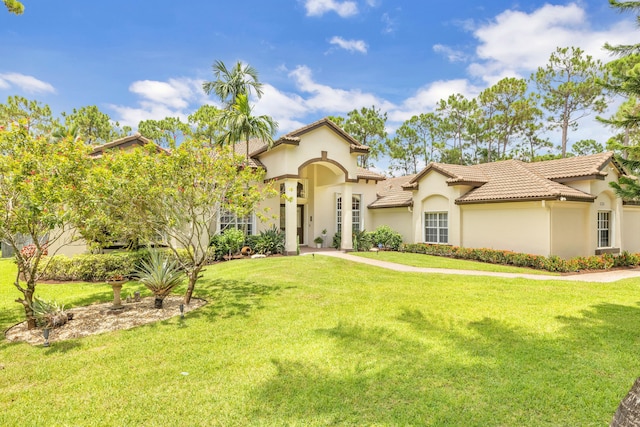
291 223
347 218
618 223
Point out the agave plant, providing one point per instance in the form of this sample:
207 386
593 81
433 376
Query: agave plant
160 274
48 314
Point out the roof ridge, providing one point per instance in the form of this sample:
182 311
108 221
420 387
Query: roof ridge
546 182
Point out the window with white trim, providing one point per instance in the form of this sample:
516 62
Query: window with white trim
604 229
229 219
436 227
356 212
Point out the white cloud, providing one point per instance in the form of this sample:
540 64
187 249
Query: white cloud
334 101
28 84
320 7
427 98
516 43
389 26
161 99
451 54
350 45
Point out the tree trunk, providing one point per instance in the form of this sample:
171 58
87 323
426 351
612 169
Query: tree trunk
193 277
628 413
27 302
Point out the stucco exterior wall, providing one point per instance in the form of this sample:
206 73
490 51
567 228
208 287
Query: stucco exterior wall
68 244
286 159
631 229
570 234
399 219
520 227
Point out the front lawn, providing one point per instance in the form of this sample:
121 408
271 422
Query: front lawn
431 261
322 341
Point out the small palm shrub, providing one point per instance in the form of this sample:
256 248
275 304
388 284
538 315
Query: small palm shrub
270 241
160 274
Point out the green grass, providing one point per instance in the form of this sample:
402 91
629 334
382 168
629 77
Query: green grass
430 261
320 341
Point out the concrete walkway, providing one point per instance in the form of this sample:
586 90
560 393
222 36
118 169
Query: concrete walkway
602 277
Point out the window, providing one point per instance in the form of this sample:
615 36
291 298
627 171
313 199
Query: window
230 220
604 229
436 227
356 213
301 188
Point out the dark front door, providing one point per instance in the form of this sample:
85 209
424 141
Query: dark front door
300 223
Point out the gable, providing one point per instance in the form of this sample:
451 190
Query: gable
514 180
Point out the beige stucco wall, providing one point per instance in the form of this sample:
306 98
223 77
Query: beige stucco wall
68 244
570 233
286 159
399 219
631 229
435 195
520 227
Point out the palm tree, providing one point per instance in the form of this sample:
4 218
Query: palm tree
229 83
239 124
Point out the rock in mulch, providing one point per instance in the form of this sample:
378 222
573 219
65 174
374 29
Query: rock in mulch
100 318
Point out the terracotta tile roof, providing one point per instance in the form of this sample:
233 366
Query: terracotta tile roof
573 167
254 144
127 141
363 173
293 137
391 194
516 180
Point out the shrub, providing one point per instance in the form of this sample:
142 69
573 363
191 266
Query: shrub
337 239
361 240
270 241
228 243
160 274
48 314
386 237
91 268
551 263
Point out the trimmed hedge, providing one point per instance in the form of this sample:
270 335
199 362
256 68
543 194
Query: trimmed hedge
99 267
91 268
552 263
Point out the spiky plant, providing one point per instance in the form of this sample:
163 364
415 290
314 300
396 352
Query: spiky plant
160 274
48 314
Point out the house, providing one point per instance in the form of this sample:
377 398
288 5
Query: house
560 207
563 207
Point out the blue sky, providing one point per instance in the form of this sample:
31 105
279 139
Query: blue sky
140 60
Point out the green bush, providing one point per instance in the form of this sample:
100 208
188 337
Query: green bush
270 241
361 241
386 237
91 268
337 239
551 263
228 243
160 273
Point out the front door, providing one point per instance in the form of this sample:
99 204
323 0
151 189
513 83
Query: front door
300 223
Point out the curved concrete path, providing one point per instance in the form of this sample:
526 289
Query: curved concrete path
602 277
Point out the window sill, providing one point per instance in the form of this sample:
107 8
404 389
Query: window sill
602 251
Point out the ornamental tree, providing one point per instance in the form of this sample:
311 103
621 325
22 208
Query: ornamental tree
195 183
38 182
